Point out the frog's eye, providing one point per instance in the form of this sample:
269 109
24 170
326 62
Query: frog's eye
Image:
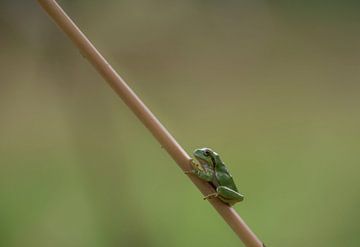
207 153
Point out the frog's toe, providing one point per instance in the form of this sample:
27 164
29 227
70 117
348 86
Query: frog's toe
210 196
189 171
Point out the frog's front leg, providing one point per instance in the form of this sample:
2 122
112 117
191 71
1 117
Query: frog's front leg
228 195
203 173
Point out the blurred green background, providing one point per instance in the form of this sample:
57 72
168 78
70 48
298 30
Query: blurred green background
273 86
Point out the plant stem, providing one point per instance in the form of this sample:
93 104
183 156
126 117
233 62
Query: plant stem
146 117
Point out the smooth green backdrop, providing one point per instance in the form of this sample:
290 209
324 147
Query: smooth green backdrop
273 86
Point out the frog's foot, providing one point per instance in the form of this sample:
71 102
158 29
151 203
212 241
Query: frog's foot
193 166
189 172
211 196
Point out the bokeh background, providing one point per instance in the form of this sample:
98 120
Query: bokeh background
273 86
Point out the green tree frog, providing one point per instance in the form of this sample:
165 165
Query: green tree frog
211 169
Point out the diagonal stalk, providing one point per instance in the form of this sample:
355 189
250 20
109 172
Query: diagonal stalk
166 140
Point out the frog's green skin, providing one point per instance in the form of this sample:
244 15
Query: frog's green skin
214 171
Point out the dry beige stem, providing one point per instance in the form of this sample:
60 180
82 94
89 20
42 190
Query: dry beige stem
146 117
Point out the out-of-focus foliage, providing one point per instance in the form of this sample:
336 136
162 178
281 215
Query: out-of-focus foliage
272 86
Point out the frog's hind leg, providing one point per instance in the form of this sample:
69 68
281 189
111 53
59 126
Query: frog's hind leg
229 194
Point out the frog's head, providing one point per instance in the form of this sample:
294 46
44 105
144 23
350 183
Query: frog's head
205 156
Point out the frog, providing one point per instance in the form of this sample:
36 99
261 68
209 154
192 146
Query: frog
213 170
